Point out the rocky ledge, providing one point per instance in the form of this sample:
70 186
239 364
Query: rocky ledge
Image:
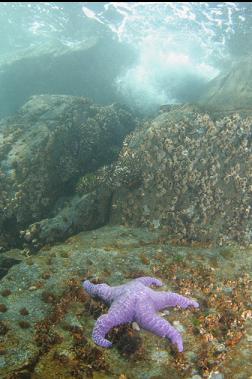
46 318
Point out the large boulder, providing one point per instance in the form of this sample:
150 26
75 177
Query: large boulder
45 148
87 68
232 89
78 213
189 175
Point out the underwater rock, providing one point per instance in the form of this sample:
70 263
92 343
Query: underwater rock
6 262
81 213
216 375
44 150
232 89
84 68
47 318
86 210
189 175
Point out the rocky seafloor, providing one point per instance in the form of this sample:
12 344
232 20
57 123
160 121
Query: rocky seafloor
169 197
47 318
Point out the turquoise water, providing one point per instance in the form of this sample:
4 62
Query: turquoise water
179 47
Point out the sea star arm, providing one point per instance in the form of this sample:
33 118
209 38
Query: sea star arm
136 302
149 281
161 327
171 299
119 313
100 290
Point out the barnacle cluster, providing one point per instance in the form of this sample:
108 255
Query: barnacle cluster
196 177
93 180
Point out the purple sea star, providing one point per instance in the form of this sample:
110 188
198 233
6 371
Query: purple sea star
134 301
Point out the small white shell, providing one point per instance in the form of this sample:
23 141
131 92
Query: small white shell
135 326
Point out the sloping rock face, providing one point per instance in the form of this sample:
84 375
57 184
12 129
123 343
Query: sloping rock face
231 90
78 213
46 147
83 69
189 175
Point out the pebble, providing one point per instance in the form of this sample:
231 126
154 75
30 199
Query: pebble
227 289
249 338
164 313
178 326
196 377
195 372
2 362
135 326
32 288
191 356
161 357
216 375
28 236
220 347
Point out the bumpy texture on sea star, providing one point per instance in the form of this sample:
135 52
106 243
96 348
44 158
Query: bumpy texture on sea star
135 301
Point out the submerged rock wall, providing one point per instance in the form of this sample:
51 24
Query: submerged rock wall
189 175
46 147
186 171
